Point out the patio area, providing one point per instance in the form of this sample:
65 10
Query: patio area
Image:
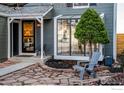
41 74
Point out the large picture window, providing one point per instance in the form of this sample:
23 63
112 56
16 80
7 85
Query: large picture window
67 44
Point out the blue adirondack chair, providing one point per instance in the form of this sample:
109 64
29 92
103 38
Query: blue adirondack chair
89 67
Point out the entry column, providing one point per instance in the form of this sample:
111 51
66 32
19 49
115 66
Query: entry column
9 21
42 38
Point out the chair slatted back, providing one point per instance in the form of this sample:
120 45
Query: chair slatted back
94 60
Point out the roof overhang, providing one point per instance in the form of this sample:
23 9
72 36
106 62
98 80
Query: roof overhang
20 14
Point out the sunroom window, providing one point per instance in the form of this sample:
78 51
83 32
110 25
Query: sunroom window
66 45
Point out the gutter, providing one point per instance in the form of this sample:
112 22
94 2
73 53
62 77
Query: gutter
3 14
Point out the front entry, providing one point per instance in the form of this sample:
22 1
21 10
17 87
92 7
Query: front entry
28 36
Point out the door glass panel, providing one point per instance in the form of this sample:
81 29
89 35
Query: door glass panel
28 37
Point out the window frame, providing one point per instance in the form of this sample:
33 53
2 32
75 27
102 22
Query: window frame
77 7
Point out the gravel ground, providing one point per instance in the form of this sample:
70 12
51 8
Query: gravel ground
40 74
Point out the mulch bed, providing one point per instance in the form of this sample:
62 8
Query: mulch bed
7 63
60 64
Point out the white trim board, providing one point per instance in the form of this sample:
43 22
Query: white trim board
47 11
42 38
12 38
25 17
55 31
8 22
72 57
28 54
85 58
20 37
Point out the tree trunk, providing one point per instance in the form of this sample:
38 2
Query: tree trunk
80 47
84 49
90 48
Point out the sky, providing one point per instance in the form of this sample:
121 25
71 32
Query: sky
120 18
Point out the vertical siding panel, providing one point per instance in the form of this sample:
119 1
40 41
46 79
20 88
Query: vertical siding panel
3 38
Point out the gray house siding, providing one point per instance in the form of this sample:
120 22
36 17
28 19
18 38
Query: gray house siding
38 39
49 36
3 38
106 8
49 15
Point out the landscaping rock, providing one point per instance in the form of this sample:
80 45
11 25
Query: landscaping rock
8 82
23 78
32 75
30 81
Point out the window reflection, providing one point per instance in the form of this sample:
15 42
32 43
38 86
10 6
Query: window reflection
67 44
28 37
75 46
63 37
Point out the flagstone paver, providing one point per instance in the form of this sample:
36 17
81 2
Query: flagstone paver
23 78
40 74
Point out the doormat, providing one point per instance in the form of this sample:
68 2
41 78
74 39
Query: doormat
24 55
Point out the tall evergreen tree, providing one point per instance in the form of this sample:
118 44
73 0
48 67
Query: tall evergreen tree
91 29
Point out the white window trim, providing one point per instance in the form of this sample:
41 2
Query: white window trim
85 58
77 7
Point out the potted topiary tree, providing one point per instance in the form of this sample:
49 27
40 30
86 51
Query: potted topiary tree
91 29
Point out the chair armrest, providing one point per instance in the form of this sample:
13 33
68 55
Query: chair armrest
78 68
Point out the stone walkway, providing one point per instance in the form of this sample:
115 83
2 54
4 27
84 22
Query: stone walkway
21 62
7 63
40 74
36 75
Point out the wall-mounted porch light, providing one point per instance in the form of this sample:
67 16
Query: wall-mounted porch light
38 24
